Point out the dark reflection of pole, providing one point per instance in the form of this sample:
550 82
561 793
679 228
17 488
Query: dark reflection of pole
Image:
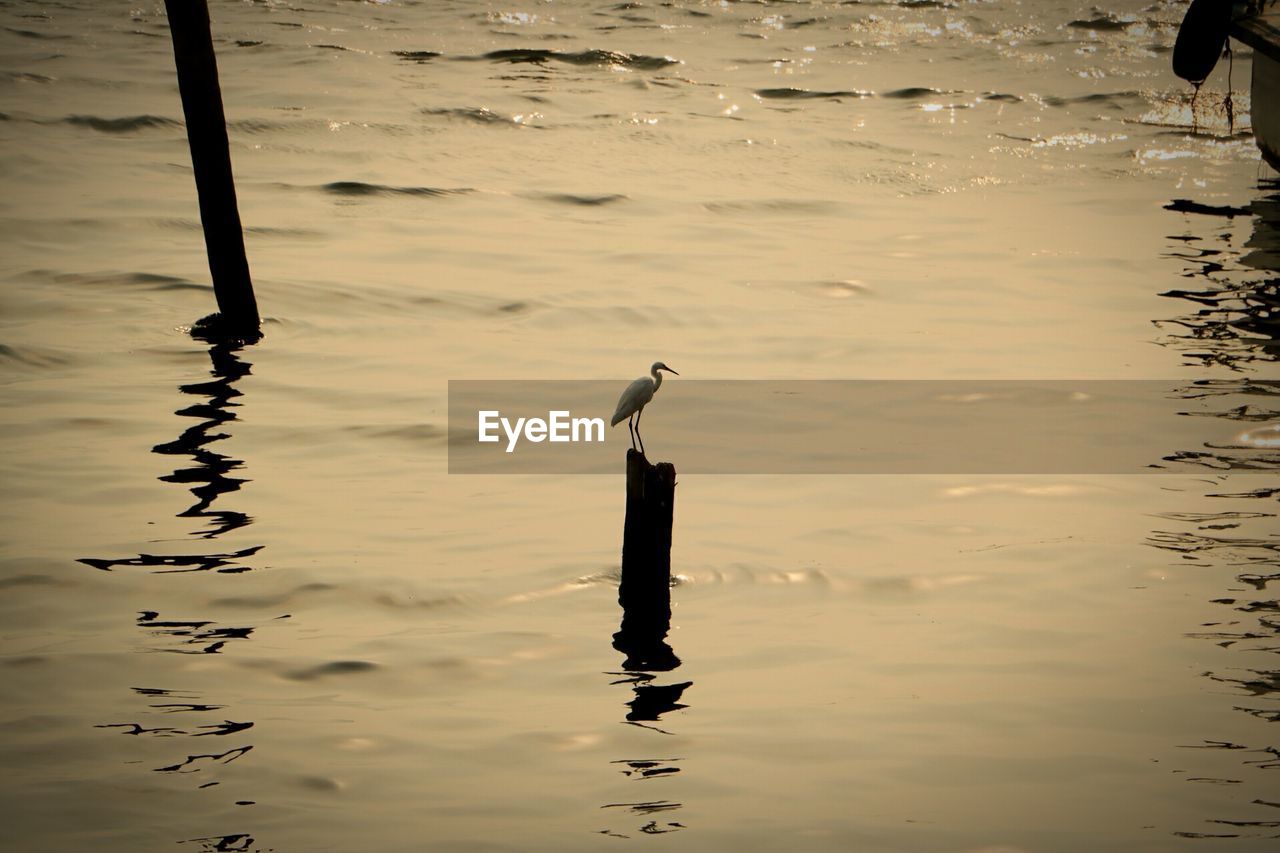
645 596
209 477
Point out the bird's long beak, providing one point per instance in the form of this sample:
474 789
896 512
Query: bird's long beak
672 371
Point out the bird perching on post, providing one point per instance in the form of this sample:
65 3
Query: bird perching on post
633 400
645 587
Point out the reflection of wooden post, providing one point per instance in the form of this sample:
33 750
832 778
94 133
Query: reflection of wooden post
211 160
645 591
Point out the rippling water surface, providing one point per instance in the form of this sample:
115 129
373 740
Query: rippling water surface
245 608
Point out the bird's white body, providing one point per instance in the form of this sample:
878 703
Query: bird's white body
635 398
638 395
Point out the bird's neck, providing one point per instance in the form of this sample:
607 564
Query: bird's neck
657 380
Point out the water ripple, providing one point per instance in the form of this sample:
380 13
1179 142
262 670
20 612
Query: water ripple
338 667
26 77
912 92
481 115
125 124
580 200
792 93
37 357
1103 22
418 56
596 57
361 188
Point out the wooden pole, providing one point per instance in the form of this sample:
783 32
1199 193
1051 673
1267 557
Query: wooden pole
645 590
211 160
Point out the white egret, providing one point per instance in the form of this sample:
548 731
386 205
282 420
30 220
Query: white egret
633 400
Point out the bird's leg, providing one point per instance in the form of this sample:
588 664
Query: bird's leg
638 438
631 429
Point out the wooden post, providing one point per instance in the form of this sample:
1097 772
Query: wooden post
211 160
645 590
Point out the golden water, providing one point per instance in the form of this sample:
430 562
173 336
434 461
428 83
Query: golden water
245 607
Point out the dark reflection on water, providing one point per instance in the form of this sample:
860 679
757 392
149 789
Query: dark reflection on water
192 762
209 479
195 763
1254 405
167 563
642 639
649 768
237 843
202 633
209 476
1234 323
651 700
226 727
1235 288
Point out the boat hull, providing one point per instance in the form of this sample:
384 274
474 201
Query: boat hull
1265 96
1261 31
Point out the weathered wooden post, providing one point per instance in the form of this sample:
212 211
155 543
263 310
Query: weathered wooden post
645 590
211 160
